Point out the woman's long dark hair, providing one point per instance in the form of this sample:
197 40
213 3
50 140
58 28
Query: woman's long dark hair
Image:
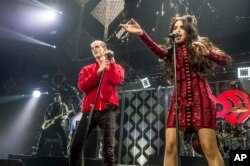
199 63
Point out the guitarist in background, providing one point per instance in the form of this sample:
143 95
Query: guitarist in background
55 113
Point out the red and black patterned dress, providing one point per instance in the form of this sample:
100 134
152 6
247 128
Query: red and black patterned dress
195 100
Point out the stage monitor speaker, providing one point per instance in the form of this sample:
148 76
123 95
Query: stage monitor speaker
8 162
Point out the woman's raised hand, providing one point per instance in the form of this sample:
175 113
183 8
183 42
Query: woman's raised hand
132 27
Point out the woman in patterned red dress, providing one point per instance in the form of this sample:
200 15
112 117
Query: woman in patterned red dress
196 57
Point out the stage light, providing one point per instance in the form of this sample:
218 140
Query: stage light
50 15
36 93
145 82
47 15
244 72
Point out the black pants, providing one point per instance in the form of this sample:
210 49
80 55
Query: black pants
106 121
52 132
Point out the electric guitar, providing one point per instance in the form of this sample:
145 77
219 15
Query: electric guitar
51 122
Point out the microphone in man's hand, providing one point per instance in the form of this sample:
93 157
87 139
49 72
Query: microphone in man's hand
110 54
173 34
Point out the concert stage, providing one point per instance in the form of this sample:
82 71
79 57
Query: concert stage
26 160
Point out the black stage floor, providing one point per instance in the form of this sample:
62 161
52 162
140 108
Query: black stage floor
26 160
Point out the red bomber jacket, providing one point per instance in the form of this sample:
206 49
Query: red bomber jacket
88 81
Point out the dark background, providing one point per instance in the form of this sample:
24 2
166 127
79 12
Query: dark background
25 66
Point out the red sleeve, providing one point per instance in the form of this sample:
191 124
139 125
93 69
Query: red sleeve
116 74
159 51
219 57
87 79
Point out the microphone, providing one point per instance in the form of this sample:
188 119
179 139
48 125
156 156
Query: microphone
110 54
174 35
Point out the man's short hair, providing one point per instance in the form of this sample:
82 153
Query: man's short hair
99 42
57 94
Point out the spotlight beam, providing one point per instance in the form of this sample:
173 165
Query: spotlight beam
39 4
16 135
7 99
8 34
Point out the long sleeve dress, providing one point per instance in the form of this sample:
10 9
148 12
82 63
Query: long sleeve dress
195 100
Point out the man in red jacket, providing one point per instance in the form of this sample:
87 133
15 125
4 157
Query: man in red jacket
99 82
